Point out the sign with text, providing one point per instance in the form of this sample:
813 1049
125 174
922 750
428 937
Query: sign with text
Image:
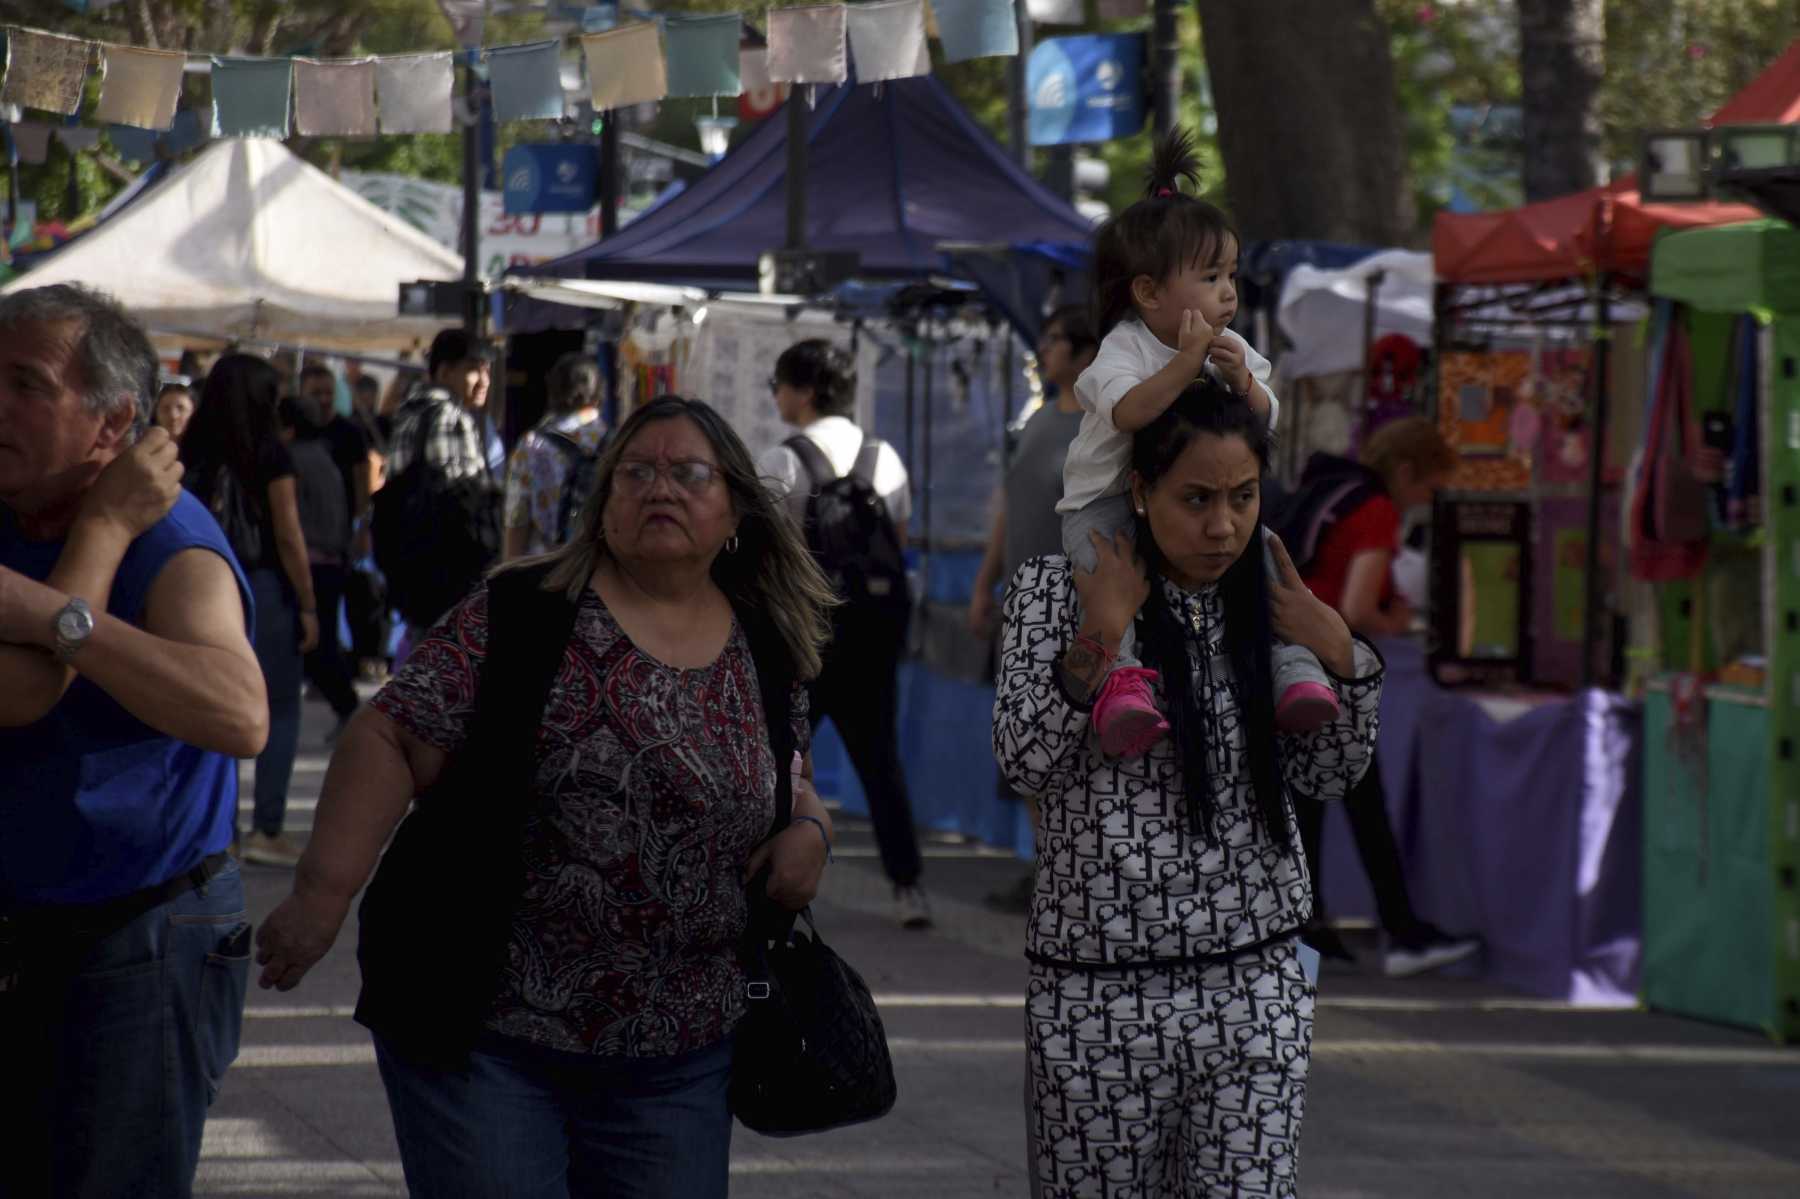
1086 89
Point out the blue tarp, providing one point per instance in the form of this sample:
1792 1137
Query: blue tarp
893 170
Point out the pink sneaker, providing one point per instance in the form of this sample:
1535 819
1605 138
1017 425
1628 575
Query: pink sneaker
1125 713
1304 707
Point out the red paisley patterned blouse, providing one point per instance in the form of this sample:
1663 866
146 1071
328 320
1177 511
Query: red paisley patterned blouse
653 785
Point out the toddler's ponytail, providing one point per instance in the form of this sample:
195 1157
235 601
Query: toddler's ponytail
1173 159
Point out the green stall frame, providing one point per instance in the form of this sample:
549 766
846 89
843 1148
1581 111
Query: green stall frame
1722 786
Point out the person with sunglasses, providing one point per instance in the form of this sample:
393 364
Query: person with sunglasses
814 387
552 976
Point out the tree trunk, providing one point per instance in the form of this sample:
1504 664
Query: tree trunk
1309 120
1562 61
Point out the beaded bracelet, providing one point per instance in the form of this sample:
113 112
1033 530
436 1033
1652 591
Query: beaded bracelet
820 825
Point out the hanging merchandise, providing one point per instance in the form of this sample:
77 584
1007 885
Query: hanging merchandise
44 71
887 40
415 92
702 55
807 45
625 66
527 81
32 141
132 143
250 96
977 28
141 88
466 19
334 99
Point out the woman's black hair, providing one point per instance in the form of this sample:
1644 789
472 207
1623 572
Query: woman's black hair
1077 324
235 418
818 364
1160 234
1207 408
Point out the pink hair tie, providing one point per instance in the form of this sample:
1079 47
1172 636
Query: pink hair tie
1164 192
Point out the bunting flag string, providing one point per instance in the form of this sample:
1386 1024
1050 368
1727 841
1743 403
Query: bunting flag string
698 55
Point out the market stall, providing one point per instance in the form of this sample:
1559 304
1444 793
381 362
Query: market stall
1721 793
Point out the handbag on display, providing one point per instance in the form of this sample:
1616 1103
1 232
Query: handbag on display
811 1052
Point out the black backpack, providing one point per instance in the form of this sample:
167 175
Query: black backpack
579 484
1330 489
434 536
852 536
319 492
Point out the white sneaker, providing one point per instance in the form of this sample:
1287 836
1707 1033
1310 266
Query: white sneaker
1430 951
911 907
264 850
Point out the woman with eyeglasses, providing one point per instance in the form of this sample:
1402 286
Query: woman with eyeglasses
596 740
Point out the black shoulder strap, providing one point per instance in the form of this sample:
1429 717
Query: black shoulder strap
868 460
528 631
817 466
775 680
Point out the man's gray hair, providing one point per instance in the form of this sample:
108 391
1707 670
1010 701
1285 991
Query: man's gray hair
118 363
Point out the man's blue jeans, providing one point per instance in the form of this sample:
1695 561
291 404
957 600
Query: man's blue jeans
527 1123
277 645
114 1048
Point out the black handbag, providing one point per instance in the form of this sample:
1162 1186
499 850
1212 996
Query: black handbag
811 1052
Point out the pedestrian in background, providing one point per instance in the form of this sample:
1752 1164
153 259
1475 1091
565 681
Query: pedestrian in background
601 1046
1169 1010
1026 524
553 468
131 687
174 409
238 466
859 543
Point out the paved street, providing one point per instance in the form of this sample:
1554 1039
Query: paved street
1421 1088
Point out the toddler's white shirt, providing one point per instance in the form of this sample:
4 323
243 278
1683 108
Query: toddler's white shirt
1100 456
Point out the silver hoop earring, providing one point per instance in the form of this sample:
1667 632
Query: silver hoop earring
731 544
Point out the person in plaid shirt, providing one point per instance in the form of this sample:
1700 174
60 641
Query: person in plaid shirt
454 390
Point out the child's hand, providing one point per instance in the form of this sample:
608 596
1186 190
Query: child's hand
1195 338
1227 356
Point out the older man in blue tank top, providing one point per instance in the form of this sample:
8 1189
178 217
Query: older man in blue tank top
129 688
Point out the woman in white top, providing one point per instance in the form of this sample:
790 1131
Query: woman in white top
814 385
1165 290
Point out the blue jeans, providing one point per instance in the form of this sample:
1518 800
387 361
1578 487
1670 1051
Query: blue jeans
277 645
114 1048
528 1123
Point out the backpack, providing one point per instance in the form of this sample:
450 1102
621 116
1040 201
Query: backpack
579 484
434 536
319 492
1330 488
852 536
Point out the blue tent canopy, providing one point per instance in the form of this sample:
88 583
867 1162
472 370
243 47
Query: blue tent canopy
893 171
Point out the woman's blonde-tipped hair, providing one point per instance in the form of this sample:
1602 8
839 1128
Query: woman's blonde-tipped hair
1413 441
770 572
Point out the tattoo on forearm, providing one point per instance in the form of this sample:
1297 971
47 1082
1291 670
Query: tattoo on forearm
1082 671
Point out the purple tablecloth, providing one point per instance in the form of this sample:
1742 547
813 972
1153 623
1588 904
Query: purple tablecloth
1525 831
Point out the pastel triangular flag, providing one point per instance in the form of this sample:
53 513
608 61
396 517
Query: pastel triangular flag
77 138
132 143
806 45
625 66
1056 12
334 99
527 81
703 55
977 28
415 92
250 96
887 40
44 70
141 88
32 140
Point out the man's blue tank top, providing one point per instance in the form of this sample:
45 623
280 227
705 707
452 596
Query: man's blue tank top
94 803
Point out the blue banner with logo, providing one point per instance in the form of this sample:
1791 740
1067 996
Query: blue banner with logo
554 177
1086 89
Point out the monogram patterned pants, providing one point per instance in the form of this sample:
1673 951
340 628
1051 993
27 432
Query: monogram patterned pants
1187 1081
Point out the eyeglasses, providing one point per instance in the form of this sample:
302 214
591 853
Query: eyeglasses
637 477
774 384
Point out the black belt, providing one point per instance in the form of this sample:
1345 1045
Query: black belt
108 915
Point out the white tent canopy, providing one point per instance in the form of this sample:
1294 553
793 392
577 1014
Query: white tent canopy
1322 312
250 241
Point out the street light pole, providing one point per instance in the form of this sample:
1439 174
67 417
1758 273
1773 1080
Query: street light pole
796 168
1166 65
471 216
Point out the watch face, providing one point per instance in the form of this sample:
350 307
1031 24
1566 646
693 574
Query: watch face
72 624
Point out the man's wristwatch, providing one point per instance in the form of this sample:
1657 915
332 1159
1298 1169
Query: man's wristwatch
72 626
